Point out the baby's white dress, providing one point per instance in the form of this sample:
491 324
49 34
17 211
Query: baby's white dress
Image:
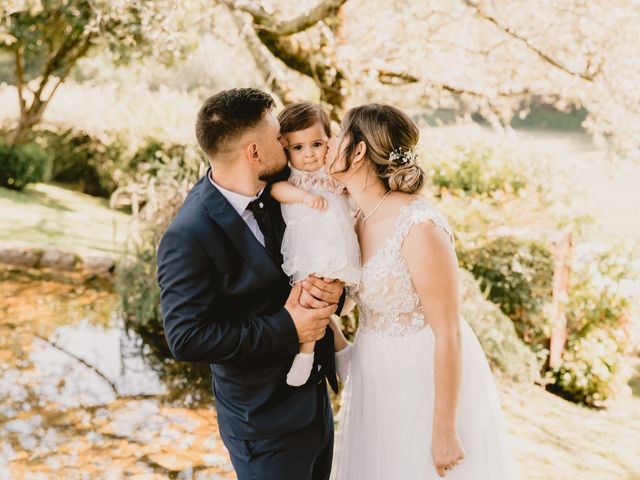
320 242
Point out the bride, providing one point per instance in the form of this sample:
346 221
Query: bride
420 401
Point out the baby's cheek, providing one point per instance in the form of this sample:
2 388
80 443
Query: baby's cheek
295 159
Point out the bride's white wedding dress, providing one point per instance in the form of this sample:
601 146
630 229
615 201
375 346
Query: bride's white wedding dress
385 423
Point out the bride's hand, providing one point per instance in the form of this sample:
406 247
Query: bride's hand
447 450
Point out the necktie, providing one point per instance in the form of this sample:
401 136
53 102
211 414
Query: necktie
271 225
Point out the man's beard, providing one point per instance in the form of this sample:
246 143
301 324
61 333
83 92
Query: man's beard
275 173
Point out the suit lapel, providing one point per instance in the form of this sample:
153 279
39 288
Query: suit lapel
221 212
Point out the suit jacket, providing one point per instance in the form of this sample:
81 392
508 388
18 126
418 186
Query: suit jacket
222 298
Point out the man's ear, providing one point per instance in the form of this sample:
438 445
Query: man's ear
251 152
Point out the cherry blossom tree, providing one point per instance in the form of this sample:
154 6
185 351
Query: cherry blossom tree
492 57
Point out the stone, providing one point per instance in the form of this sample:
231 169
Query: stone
20 257
58 259
98 264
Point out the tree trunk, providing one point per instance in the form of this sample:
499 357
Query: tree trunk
317 62
27 121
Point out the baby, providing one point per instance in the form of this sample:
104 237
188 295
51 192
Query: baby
319 238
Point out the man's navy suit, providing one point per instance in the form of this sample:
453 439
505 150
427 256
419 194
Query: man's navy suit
222 298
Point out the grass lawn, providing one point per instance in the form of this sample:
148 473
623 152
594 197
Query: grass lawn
557 439
48 215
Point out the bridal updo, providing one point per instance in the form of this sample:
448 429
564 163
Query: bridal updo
391 138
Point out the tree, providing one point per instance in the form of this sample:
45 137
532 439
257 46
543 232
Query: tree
47 38
473 56
314 58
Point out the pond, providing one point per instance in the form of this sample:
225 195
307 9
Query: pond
77 400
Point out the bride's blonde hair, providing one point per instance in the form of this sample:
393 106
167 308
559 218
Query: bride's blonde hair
391 138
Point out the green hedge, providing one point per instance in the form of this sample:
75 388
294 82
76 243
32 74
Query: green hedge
498 337
474 170
22 165
82 159
517 275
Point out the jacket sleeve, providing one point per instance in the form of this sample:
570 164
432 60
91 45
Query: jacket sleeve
188 291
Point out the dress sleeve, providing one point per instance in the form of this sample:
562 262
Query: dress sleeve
420 212
343 362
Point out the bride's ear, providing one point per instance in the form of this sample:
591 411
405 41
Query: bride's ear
359 154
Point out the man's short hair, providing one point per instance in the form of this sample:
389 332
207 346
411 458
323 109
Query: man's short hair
228 114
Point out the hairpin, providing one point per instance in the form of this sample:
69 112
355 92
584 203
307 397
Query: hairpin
403 155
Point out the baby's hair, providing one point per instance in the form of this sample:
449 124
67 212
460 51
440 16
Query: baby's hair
301 115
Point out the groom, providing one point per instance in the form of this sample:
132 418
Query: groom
226 301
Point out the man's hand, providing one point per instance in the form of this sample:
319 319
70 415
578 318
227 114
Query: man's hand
310 323
318 292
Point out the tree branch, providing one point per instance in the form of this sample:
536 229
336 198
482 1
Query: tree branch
260 58
71 62
266 21
96 370
20 83
586 75
388 77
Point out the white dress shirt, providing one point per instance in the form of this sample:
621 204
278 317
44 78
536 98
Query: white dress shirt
239 203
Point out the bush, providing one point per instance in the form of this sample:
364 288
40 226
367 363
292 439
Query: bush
155 153
22 165
137 288
163 182
500 342
476 170
594 367
157 173
517 275
595 364
81 159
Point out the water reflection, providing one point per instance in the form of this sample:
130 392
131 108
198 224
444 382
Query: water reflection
89 364
77 399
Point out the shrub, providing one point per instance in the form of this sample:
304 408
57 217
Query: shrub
595 364
477 169
22 165
502 346
594 367
163 183
517 275
137 288
155 174
82 159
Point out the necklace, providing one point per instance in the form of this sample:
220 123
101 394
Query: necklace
375 209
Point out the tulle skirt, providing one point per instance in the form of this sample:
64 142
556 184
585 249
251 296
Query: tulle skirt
322 243
385 423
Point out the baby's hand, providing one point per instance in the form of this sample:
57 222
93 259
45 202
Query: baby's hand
315 201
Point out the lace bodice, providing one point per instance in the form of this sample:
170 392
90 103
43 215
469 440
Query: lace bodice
387 300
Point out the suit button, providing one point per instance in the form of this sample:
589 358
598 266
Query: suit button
261 205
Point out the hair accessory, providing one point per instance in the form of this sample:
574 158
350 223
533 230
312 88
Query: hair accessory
402 156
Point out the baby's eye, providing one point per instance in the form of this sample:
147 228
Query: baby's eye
317 144
297 147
